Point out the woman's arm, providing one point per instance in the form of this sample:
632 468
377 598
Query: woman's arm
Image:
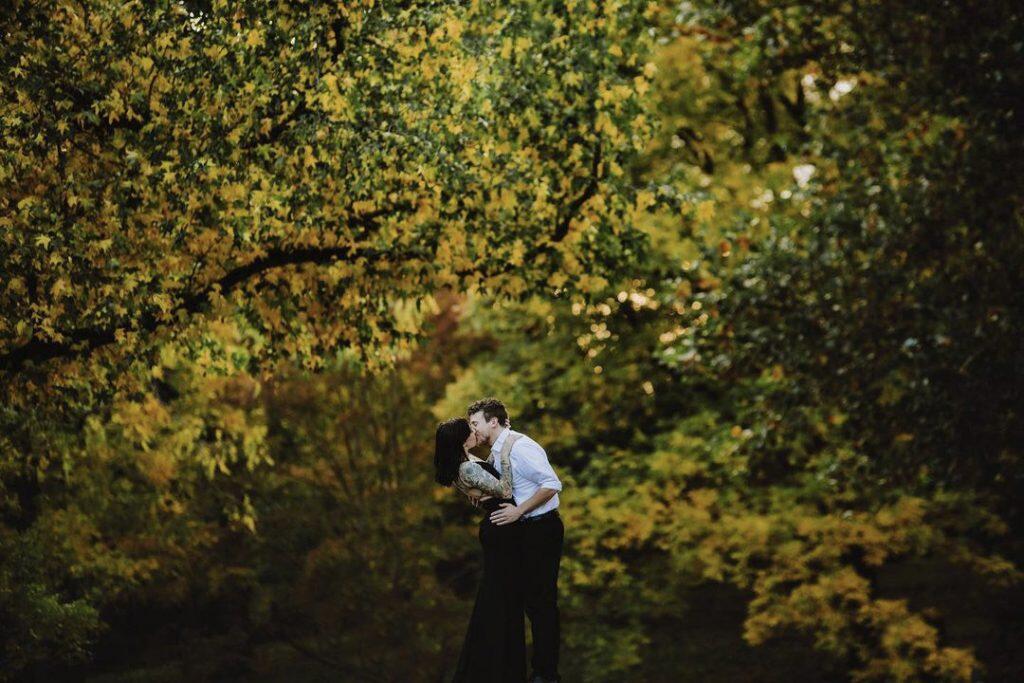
476 477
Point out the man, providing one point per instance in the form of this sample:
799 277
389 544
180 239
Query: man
535 488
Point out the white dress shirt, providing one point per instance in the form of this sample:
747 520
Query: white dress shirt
530 470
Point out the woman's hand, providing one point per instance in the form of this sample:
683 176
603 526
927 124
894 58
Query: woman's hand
476 500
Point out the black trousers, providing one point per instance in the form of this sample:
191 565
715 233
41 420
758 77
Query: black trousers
542 554
494 649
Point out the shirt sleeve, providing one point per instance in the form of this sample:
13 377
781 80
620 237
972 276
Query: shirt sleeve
532 463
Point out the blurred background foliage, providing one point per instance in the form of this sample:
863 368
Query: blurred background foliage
789 430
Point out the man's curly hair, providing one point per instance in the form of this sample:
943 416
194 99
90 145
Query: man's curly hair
491 407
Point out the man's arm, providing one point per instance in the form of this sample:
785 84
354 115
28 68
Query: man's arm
532 464
509 513
542 496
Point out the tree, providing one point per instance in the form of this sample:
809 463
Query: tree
816 384
194 192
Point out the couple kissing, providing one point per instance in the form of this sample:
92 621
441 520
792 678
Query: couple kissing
521 536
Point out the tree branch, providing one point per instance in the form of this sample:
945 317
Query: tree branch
563 227
83 341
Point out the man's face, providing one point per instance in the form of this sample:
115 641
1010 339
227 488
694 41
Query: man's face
487 430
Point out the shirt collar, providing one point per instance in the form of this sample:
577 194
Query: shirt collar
500 441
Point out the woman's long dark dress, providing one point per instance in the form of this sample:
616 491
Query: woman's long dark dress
494 650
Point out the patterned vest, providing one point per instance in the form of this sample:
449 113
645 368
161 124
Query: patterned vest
503 456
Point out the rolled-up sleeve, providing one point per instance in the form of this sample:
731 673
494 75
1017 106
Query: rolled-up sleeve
532 463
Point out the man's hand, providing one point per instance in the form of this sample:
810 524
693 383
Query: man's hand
506 514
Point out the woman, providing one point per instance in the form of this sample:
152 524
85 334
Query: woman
494 649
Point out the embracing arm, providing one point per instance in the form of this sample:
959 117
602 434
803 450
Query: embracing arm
533 465
473 476
541 496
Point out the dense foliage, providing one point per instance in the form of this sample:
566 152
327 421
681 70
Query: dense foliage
816 387
749 271
194 195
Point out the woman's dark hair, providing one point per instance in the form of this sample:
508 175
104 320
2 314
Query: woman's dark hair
448 450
